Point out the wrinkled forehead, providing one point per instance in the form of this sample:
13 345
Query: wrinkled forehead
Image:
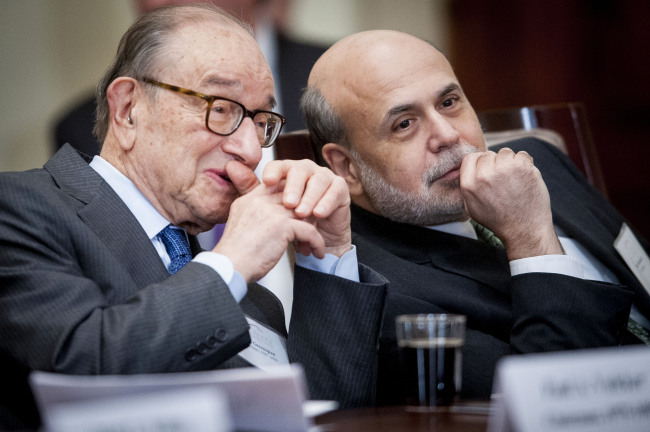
212 53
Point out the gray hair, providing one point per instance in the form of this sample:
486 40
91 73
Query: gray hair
141 49
324 124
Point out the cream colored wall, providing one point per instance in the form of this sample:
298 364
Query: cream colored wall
54 51
329 20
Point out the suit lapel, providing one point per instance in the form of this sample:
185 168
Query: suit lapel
463 256
119 230
107 215
588 226
472 259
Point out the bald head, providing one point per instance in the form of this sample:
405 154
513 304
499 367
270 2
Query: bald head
366 50
365 62
358 68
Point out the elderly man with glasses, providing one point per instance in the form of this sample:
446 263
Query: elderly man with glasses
100 271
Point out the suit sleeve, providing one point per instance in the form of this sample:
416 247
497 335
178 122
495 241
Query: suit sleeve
68 304
334 333
555 312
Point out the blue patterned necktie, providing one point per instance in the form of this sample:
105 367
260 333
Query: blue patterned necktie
485 235
177 247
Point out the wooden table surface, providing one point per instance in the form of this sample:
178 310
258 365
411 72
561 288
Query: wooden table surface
469 417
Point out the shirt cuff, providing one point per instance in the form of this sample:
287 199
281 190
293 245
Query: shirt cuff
559 264
346 267
222 265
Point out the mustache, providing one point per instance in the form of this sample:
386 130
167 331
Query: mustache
449 159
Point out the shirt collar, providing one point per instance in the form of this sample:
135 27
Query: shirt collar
149 218
464 229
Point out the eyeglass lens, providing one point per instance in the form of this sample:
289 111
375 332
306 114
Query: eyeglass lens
224 117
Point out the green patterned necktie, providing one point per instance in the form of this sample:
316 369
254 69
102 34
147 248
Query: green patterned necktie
485 235
638 330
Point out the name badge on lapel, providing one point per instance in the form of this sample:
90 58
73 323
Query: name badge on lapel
629 248
268 348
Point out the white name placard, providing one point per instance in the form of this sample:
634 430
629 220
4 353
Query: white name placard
186 410
600 390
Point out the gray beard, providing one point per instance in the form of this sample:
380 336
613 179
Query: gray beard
433 204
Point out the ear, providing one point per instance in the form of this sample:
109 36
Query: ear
341 163
121 95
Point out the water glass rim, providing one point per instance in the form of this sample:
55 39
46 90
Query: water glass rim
421 318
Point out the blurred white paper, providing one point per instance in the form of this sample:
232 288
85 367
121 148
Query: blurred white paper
596 390
314 408
189 410
269 400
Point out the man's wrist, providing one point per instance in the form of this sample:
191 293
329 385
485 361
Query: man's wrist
527 246
338 251
346 266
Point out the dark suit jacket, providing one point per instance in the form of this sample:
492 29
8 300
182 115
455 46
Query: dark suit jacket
83 291
295 60
435 272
